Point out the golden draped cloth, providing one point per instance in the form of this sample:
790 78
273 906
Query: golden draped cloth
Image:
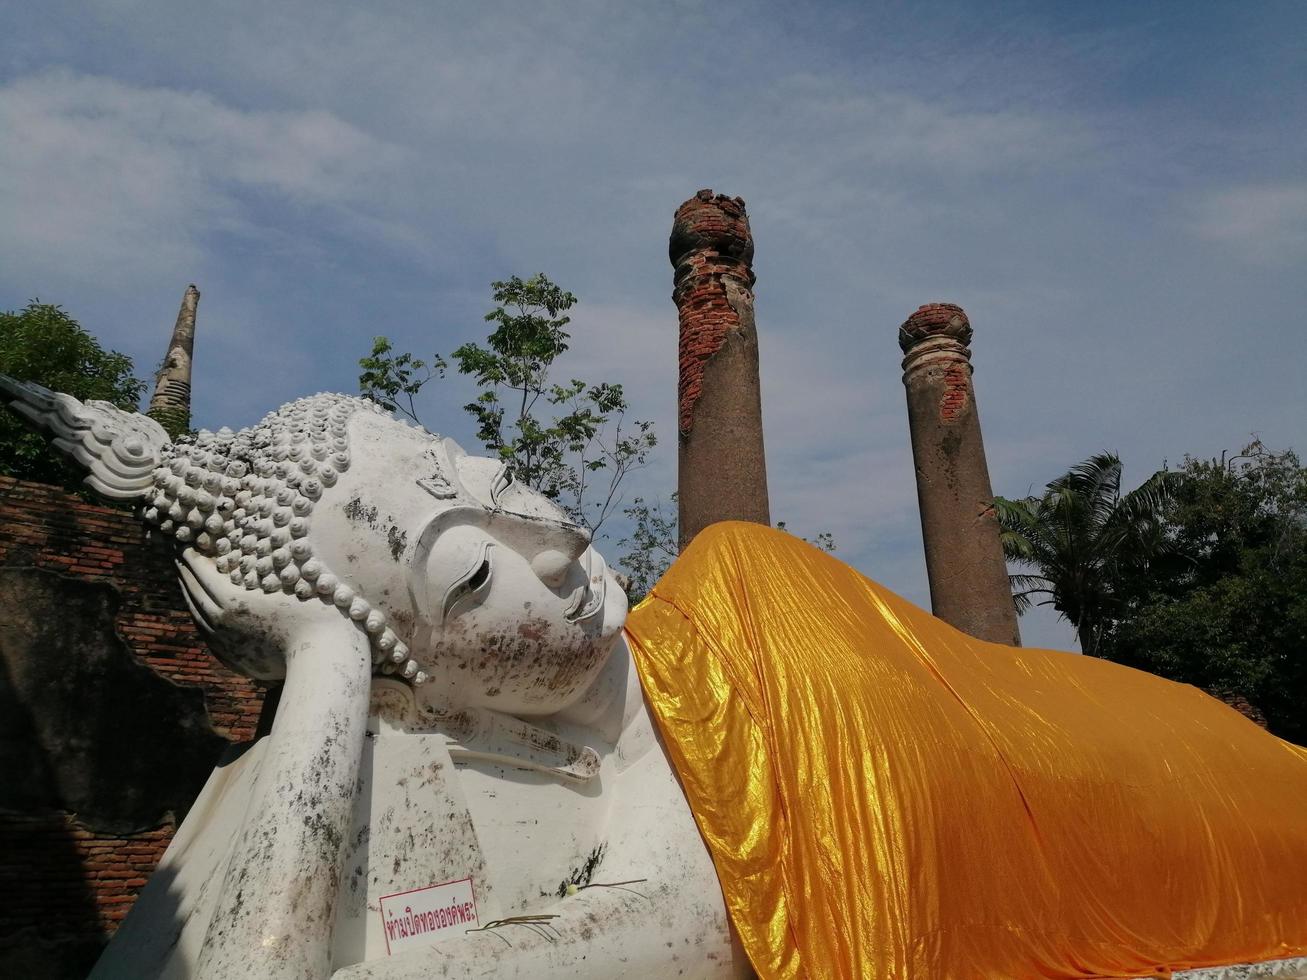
884 796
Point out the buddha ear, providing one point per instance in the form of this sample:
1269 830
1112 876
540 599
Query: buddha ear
120 450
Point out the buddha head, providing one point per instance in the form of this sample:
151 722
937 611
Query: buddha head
331 511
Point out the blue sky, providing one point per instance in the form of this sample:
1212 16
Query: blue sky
1116 193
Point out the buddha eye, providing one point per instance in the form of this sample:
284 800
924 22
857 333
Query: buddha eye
472 585
480 577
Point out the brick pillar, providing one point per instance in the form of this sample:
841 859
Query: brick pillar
170 405
964 559
722 473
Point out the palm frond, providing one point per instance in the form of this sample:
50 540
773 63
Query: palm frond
1024 586
1017 520
1092 488
1145 502
1075 540
1029 583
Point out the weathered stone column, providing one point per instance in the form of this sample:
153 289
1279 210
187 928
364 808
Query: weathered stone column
722 473
170 405
964 559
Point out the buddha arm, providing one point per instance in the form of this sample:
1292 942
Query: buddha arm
274 912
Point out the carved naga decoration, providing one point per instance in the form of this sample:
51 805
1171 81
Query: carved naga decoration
461 778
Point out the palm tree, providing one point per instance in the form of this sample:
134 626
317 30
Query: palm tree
1082 540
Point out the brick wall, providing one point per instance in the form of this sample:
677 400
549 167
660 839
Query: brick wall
62 879
55 870
711 249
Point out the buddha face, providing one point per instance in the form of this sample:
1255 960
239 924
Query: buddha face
519 612
488 585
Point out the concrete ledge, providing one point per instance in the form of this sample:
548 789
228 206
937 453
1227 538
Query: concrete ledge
1294 968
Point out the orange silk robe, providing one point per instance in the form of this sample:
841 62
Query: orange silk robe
884 796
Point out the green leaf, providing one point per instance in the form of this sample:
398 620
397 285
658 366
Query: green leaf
43 343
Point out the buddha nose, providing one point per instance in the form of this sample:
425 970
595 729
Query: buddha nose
552 564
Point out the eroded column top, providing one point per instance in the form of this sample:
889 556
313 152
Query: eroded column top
712 223
935 320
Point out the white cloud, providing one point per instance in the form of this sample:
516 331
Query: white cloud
114 184
1265 222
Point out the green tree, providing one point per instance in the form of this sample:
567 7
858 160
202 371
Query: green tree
44 344
571 441
1226 609
651 545
1081 540
393 380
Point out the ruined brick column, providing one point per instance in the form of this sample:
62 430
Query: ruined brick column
170 405
722 473
964 559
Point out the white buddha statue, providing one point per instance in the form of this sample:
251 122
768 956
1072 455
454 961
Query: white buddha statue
461 778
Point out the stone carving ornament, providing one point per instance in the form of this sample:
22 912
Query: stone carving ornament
461 778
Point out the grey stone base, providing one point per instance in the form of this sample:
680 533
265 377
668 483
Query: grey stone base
1294 968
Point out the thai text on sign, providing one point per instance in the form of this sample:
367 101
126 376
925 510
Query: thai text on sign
417 917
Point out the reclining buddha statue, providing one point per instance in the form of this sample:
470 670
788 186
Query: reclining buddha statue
472 770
